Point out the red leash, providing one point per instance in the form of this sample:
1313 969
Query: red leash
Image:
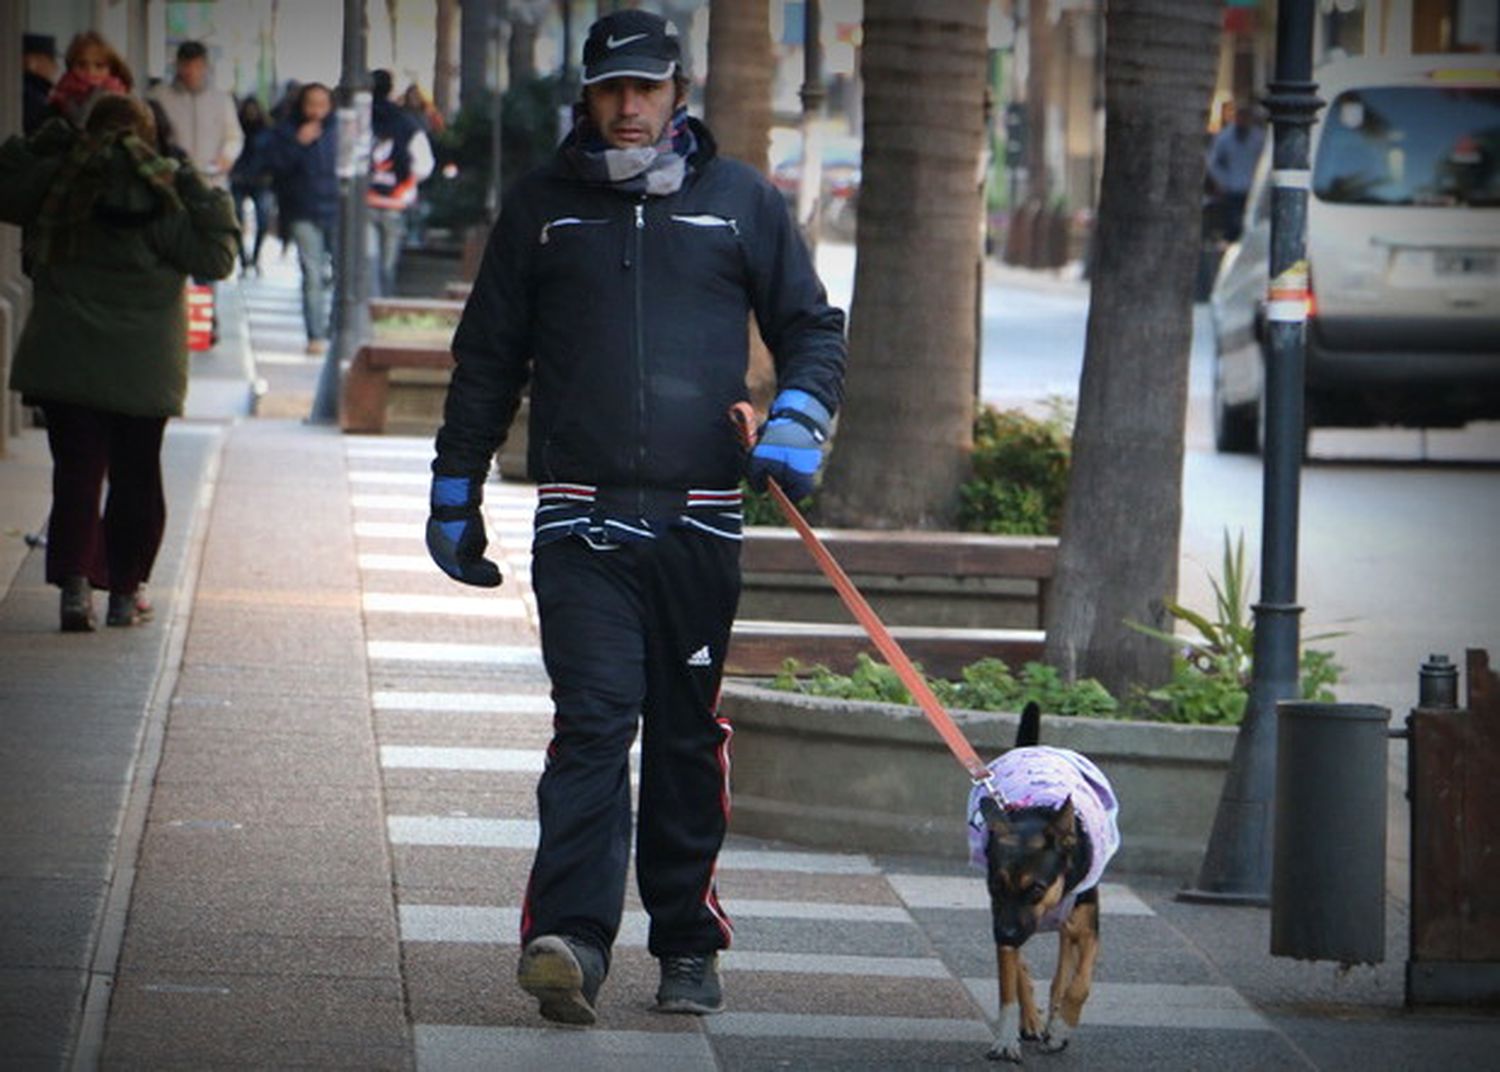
743 417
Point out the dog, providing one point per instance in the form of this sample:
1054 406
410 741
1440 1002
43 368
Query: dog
1043 847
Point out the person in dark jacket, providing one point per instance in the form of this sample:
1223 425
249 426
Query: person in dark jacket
302 157
114 230
250 179
400 159
38 73
618 282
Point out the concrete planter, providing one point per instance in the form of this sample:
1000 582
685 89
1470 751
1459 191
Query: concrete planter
876 777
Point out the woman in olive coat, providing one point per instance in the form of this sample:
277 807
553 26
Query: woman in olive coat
113 230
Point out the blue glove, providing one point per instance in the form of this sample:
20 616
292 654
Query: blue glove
455 531
790 448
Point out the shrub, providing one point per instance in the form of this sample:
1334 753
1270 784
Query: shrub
1021 468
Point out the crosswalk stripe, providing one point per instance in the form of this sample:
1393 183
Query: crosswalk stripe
820 1026
463 1048
457 606
398 563
1157 1005
495 760
485 925
437 652
945 891
483 703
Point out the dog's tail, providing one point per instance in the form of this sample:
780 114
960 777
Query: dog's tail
1029 732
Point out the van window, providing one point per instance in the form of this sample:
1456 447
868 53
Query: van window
1410 145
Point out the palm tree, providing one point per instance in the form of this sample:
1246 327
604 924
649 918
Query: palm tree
906 432
1119 546
737 97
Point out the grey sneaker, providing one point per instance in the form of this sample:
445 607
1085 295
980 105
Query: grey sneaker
77 605
563 974
690 983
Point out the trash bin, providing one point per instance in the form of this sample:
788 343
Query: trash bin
1328 848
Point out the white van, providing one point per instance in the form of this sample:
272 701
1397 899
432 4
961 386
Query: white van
1403 247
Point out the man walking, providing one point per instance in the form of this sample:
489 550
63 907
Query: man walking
400 159
618 282
204 119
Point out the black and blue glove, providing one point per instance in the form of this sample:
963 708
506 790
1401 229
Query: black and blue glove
790 448
455 531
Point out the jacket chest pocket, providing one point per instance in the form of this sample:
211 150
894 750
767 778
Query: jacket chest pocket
707 245
574 250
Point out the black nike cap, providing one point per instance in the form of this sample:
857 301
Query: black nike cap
631 44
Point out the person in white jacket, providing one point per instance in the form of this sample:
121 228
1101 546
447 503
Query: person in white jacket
204 119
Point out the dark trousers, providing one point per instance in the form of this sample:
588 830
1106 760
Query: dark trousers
634 634
117 549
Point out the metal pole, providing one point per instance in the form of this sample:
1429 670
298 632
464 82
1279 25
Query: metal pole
351 274
810 187
500 24
1237 865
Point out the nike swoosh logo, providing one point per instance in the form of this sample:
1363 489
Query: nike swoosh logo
614 42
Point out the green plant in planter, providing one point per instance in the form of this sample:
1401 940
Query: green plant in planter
1021 468
1211 671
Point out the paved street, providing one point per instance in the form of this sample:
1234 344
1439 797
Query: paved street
288 824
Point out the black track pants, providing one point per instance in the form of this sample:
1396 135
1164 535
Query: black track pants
637 632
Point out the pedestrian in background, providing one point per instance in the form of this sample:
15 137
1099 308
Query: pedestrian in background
618 282
250 180
302 157
1232 157
116 229
400 159
38 73
203 118
93 68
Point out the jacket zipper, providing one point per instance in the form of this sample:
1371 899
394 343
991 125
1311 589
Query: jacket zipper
640 353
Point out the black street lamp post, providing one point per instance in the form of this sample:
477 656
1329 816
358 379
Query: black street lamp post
351 277
1237 865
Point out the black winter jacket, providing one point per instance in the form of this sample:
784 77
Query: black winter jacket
629 315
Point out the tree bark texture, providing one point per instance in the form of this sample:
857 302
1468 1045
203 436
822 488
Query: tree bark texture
521 48
1122 521
475 35
906 432
737 108
442 64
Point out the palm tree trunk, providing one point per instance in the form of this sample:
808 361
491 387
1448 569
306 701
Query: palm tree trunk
737 98
442 64
1121 525
906 432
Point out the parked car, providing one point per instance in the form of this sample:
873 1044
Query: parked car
1403 250
841 176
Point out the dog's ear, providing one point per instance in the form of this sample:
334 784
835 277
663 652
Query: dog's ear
1063 826
993 814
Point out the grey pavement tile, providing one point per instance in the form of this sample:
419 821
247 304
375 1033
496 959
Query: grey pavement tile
31 854
456 984
846 995
1355 1040
48 923
866 939
203 1019
316 806
502 798
295 854
236 681
427 874
848 1055
329 717
794 886
212 909
39 1010
254 636
260 954
280 759
432 628
464 729
53 806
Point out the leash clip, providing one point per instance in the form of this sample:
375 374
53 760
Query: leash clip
986 781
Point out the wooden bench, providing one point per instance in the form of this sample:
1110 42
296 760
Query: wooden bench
948 598
367 382
457 289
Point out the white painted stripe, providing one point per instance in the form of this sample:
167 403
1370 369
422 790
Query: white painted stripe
282 357
483 703
447 830
821 1026
524 833
391 530
737 960
458 606
398 563
389 450
948 891
412 477
416 503
1287 312
807 863
433 652
493 760
1159 1005
1292 178
461 1048
483 925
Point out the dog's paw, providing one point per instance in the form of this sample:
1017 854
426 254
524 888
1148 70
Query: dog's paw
1008 1051
1055 1039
